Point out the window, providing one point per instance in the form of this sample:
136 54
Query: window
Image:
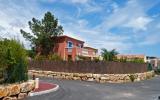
70 44
79 45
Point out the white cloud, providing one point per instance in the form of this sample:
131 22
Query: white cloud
151 40
79 1
139 23
128 16
15 16
133 15
85 6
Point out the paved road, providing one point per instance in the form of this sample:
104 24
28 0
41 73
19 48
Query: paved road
80 90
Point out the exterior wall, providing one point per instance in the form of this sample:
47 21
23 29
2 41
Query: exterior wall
130 57
91 52
102 78
62 50
16 91
72 51
155 63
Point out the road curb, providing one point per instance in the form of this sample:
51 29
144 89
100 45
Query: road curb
44 92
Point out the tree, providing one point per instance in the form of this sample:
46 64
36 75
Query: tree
44 34
108 55
14 61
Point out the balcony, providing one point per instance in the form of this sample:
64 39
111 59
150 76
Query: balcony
86 53
69 50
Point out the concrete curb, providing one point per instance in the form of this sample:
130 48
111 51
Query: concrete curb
44 92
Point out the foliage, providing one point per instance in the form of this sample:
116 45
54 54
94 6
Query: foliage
149 67
3 62
14 61
31 53
53 57
44 33
157 71
132 77
134 60
137 60
40 57
79 57
97 59
109 55
124 59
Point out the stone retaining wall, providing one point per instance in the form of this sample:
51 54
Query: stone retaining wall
102 78
16 91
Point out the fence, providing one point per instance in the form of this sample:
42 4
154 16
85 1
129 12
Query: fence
100 67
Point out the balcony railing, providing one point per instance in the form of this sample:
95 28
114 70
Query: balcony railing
69 50
82 52
85 52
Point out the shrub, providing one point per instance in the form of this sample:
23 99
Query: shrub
132 77
96 59
149 67
31 53
137 60
14 60
53 57
40 57
157 71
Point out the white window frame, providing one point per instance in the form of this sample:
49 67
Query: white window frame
68 44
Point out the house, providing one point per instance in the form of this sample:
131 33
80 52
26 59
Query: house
131 57
69 48
154 61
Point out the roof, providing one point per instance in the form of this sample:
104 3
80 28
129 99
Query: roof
131 55
65 36
90 48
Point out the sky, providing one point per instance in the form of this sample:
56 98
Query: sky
129 26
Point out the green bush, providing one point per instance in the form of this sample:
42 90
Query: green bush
31 53
157 71
132 77
149 67
137 60
14 62
53 57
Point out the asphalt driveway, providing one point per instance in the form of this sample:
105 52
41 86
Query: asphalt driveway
80 90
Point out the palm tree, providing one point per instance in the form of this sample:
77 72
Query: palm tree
108 55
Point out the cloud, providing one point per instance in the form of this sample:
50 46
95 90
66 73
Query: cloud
138 28
151 40
85 6
15 16
151 37
79 1
139 23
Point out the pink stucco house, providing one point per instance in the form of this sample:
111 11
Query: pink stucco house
69 48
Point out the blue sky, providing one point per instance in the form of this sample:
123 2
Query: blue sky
130 26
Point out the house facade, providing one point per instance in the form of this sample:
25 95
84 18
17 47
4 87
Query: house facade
154 61
69 48
131 57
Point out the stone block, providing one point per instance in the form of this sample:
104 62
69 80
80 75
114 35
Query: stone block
21 96
90 79
76 78
9 98
4 91
27 86
84 78
89 75
14 89
97 75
